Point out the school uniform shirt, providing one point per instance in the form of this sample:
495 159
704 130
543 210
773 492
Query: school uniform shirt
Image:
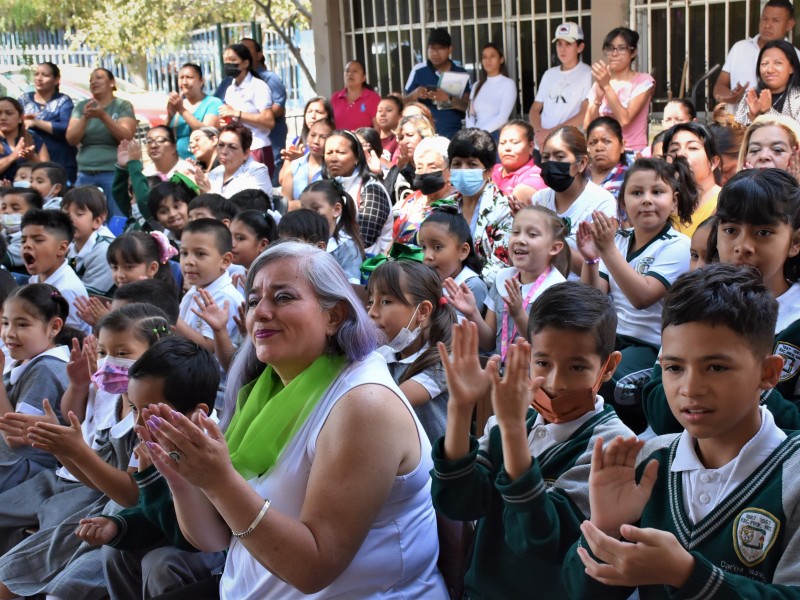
787 342
746 544
52 203
70 286
91 264
221 289
475 284
665 257
347 255
14 249
252 96
354 115
591 199
433 413
562 92
494 301
525 526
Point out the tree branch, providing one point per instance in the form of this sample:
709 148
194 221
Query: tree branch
301 8
267 8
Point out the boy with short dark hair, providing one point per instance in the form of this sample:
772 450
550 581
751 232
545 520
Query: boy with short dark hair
15 202
716 506
46 235
144 550
526 479
212 206
86 207
50 180
149 291
205 256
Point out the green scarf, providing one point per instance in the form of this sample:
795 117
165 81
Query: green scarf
268 414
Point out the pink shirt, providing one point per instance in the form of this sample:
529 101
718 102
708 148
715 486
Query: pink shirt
357 114
527 174
635 133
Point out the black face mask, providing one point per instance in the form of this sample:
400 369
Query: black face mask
428 183
556 175
231 70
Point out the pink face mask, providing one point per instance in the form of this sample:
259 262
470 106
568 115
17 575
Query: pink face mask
570 405
112 374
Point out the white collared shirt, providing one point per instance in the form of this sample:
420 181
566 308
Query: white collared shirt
252 96
544 436
221 289
250 175
70 286
422 378
704 489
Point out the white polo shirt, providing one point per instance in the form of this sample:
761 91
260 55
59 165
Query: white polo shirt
665 257
252 96
70 286
221 289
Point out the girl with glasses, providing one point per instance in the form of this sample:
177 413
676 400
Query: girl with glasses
619 91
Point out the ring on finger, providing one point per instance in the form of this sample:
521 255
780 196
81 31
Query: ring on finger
175 455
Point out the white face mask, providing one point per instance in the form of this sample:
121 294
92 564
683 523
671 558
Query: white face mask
11 222
50 195
404 337
22 183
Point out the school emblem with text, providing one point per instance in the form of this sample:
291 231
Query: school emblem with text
644 265
754 533
791 359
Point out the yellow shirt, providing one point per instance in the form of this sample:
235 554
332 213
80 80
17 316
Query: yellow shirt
705 210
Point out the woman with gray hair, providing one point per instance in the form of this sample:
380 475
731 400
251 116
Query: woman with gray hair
320 433
431 185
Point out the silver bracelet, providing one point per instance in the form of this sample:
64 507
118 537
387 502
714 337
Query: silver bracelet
255 522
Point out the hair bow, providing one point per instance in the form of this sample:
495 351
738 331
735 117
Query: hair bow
165 249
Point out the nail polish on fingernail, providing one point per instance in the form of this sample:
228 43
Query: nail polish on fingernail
150 445
151 423
175 414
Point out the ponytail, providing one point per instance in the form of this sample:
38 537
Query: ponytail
47 303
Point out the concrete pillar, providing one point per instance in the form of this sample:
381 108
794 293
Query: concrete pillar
606 15
328 30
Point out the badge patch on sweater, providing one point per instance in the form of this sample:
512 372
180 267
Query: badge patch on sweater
791 359
754 533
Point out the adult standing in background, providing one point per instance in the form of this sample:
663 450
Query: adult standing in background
280 130
355 105
619 91
191 109
47 112
423 85
493 98
778 85
563 91
249 100
99 124
740 69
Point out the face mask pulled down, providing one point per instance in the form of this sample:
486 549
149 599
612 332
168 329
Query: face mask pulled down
570 405
404 338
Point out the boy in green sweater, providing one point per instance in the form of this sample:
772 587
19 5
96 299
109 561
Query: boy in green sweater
145 554
526 479
716 506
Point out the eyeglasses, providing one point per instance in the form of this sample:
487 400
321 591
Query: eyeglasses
611 50
223 145
159 141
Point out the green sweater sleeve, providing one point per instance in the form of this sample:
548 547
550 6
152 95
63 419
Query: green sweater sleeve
709 582
579 585
141 189
655 405
786 412
539 524
152 519
119 189
461 489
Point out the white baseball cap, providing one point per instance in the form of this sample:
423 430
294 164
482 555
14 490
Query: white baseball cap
569 32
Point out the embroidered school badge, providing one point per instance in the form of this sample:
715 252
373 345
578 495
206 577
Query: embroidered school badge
644 265
791 359
754 533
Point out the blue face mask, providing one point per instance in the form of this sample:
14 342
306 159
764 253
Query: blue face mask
467 181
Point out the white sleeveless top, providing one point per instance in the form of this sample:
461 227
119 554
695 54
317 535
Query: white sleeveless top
398 556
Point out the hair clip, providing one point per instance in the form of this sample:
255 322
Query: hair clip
443 301
567 223
165 249
54 294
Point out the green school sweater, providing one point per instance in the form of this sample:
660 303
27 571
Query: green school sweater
783 401
747 547
524 527
152 520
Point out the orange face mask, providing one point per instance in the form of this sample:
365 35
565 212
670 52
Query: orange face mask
570 405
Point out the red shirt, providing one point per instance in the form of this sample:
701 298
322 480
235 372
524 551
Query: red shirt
360 113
